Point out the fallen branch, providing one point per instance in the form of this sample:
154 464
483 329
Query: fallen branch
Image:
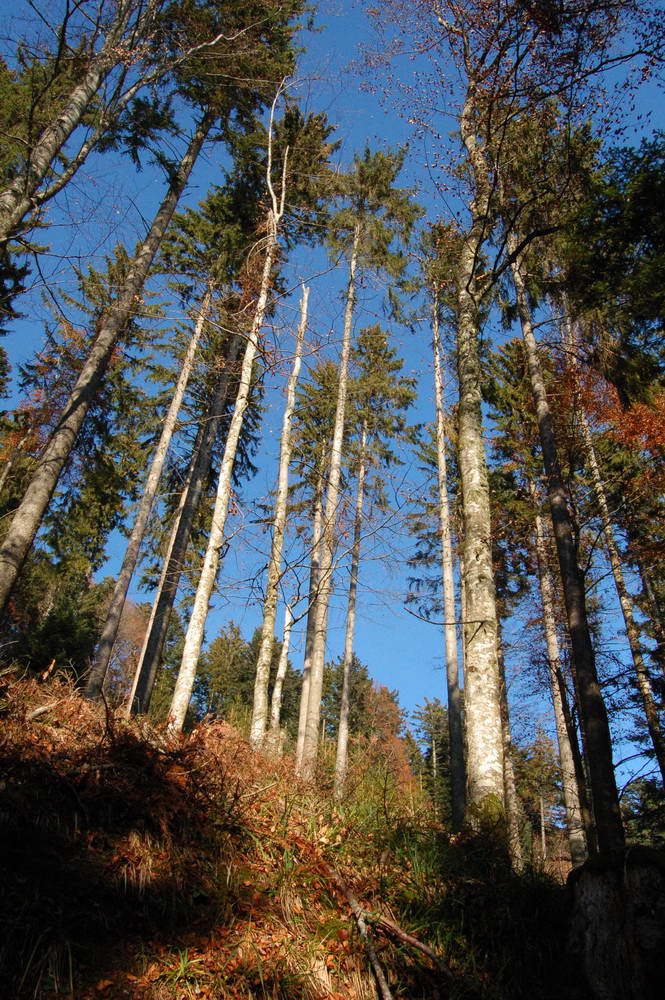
392 928
36 712
359 914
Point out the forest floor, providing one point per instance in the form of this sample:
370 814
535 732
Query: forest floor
136 865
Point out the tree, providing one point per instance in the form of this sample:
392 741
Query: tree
374 216
260 708
379 397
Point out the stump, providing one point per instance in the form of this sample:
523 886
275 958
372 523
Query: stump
617 932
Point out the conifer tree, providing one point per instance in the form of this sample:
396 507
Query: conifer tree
379 397
373 216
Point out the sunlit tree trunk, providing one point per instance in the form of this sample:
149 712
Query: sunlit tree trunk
51 462
482 703
110 629
276 700
259 721
341 758
194 637
593 714
311 738
569 776
174 558
310 630
455 731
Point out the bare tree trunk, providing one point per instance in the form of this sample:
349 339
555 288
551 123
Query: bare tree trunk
455 731
310 743
482 702
510 786
341 758
310 631
569 777
110 630
174 560
632 631
593 714
276 701
29 514
259 721
194 637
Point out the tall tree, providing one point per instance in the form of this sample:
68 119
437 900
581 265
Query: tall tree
374 215
379 397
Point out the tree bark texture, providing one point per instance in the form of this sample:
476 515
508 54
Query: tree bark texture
259 721
569 777
482 701
455 725
593 714
276 700
311 738
110 629
174 560
194 637
342 752
510 785
28 516
310 630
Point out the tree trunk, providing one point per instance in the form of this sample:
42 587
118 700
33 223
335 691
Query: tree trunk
593 714
569 777
16 200
310 742
110 630
482 702
510 786
455 731
310 631
174 560
276 701
28 516
194 638
259 721
632 631
341 758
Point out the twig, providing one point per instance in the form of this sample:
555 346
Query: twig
359 914
36 712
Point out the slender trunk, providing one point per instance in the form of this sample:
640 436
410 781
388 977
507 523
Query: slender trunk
543 839
593 714
569 777
510 787
276 701
260 708
174 560
16 200
341 758
632 631
455 732
655 614
194 638
310 743
482 702
110 630
314 574
29 514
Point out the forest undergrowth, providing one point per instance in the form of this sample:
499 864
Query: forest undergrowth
139 865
